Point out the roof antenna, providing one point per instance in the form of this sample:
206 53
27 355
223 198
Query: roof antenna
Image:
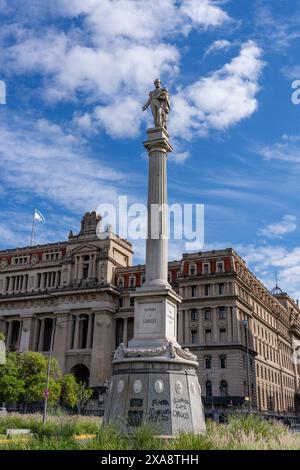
276 290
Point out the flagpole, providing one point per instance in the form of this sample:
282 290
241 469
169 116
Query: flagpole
32 230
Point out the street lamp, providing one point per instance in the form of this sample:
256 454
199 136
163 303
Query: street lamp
3 411
245 324
46 392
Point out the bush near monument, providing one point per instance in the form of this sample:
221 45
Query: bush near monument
23 380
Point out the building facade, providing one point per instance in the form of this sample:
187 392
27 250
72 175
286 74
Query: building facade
242 334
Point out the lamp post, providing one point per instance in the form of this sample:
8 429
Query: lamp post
245 324
3 411
46 392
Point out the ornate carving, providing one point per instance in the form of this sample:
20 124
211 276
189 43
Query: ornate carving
186 354
169 351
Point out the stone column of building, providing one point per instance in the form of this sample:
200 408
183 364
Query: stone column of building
41 338
154 374
26 328
125 331
186 327
9 332
180 326
229 323
10 284
61 345
102 348
201 326
214 325
89 338
76 333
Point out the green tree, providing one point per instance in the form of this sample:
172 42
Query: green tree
11 389
84 394
34 363
69 388
35 387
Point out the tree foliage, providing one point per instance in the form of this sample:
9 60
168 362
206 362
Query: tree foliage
84 394
24 376
69 388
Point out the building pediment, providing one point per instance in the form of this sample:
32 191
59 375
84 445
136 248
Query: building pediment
84 248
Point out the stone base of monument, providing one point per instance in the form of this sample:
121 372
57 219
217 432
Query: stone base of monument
157 386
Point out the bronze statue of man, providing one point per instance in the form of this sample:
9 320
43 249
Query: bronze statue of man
159 101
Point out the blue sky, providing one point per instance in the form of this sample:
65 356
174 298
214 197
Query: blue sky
77 73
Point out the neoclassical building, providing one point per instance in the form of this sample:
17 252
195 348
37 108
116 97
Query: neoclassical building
242 334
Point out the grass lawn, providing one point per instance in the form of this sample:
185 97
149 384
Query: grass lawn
241 433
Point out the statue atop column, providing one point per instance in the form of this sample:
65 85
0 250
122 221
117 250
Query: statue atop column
159 101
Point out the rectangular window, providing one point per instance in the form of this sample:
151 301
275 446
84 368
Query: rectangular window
206 268
193 291
206 290
222 361
207 361
222 313
208 335
194 316
207 314
192 270
222 335
194 336
220 267
221 289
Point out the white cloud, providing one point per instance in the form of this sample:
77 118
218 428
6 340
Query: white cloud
264 259
204 12
292 72
41 158
286 150
112 57
288 224
219 45
221 99
180 157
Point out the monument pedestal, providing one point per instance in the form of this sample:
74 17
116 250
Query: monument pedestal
161 390
154 380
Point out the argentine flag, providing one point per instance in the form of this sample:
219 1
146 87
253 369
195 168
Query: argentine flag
38 216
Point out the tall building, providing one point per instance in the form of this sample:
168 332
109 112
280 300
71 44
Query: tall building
242 334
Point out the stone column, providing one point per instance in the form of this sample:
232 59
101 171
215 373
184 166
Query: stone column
186 327
101 367
235 325
76 334
41 338
89 331
61 338
157 146
9 331
26 328
125 331
201 326
90 271
229 324
79 271
214 326
180 326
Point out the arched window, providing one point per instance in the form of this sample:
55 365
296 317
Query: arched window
192 269
223 388
82 373
208 388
